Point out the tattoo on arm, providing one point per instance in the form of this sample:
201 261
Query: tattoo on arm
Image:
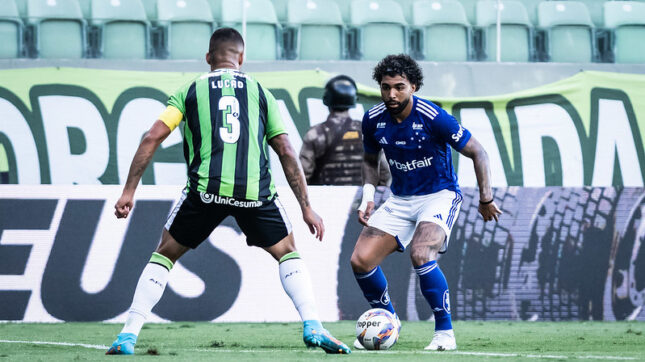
476 152
292 172
369 168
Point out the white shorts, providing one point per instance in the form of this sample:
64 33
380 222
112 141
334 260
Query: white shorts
400 215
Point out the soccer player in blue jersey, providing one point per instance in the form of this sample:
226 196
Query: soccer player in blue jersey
416 136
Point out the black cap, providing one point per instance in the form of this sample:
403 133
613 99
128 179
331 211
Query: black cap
340 93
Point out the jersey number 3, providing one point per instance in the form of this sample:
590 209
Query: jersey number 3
230 106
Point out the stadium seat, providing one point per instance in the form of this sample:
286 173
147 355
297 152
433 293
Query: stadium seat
380 29
439 20
516 31
626 20
320 32
263 33
569 31
187 28
11 30
58 29
407 7
123 30
531 7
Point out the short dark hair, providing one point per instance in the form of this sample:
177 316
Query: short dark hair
224 35
400 64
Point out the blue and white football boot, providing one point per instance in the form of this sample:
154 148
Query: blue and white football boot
314 335
124 344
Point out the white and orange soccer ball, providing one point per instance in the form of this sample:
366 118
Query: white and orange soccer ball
377 329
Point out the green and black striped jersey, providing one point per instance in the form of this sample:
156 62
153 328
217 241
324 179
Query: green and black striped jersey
228 118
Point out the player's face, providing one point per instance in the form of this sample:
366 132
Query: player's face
396 92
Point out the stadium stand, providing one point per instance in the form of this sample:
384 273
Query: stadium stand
531 7
121 29
436 21
407 7
57 29
11 31
569 31
626 20
379 29
186 27
318 30
595 8
281 11
469 7
516 31
263 32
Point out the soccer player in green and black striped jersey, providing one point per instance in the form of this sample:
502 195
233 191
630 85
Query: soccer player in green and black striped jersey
229 119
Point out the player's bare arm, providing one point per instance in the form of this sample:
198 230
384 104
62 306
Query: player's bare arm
369 169
296 179
149 144
487 207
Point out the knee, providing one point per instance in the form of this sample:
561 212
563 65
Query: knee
423 254
360 263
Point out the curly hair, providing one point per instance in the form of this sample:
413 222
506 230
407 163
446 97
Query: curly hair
401 64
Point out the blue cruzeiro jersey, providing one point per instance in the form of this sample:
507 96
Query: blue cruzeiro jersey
417 149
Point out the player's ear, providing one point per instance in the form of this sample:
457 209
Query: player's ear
208 58
240 58
414 87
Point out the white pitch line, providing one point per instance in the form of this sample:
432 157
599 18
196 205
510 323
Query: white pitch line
92 346
264 350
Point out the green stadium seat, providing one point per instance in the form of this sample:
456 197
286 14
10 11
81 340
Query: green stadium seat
320 32
188 26
381 29
345 10
531 7
516 31
407 7
439 20
11 30
626 20
151 9
263 32
569 31
123 30
58 28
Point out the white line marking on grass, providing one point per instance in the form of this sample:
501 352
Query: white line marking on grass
92 346
484 354
263 350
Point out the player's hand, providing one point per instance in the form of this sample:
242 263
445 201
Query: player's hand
490 211
123 206
363 217
314 222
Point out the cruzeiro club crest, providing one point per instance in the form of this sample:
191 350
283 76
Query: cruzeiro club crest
385 298
446 301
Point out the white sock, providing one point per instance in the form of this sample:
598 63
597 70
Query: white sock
296 282
149 290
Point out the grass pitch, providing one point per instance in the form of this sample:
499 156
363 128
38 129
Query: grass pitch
186 341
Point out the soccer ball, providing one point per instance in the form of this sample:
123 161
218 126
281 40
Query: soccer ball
377 329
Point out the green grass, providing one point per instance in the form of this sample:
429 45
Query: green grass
530 341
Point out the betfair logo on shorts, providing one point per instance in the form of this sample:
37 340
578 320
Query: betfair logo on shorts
217 199
411 165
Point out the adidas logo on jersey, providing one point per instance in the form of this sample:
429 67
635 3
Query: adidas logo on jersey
382 141
417 126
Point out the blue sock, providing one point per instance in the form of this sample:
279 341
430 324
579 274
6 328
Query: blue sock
435 289
374 287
